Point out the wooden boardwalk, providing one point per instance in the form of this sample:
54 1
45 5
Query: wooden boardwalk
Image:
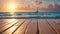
29 26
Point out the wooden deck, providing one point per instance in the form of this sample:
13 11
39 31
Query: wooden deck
29 26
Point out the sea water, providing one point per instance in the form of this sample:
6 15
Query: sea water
32 14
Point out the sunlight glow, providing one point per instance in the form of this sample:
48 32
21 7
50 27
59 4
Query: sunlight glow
11 7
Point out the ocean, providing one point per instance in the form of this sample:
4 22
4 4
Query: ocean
31 14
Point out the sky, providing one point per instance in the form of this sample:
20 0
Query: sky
50 0
1 1
29 2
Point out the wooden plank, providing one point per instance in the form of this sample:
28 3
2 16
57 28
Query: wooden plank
10 30
22 28
32 27
9 26
57 21
2 21
6 22
55 26
44 27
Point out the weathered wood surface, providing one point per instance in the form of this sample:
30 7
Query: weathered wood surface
29 26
